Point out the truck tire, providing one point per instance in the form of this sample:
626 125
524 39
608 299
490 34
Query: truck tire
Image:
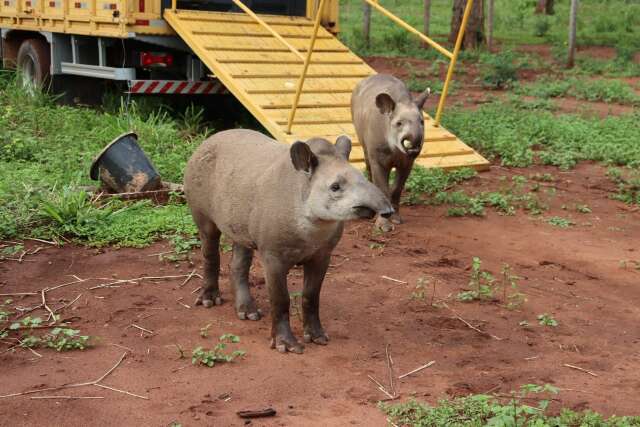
34 63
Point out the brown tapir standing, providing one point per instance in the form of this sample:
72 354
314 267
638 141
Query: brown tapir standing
390 127
286 202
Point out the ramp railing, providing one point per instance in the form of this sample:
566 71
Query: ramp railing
306 59
453 56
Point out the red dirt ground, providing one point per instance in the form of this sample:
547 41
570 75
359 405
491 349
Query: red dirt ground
575 274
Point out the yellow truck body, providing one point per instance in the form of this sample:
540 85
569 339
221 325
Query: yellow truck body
183 47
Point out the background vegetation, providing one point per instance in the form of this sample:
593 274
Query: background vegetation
46 149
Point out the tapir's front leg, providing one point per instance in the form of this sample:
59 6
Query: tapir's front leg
402 173
380 177
282 337
314 272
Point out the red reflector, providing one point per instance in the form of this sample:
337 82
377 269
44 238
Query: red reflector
113 6
148 59
142 22
28 4
141 6
52 4
7 3
77 5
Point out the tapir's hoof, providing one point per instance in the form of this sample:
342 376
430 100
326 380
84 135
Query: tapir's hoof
207 302
396 219
284 346
320 339
384 225
256 315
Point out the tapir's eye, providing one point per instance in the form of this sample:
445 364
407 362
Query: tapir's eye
335 187
398 123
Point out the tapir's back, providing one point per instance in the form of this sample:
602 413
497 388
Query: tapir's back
223 176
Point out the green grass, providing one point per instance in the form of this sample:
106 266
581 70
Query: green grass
605 90
628 185
518 137
426 182
609 23
483 410
45 154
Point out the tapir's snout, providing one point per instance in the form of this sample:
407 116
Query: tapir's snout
370 200
364 212
387 212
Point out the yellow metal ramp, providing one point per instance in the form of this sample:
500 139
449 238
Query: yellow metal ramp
261 72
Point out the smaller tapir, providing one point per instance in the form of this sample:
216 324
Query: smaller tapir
390 127
289 204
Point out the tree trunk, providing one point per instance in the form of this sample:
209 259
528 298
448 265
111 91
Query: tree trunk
427 16
545 6
426 20
573 17
490 25
366 23
474 34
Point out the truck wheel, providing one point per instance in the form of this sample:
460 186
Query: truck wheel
34 63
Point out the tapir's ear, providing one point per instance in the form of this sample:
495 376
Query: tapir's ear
385 103
343 146
303 158
422 98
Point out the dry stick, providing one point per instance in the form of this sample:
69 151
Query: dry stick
42 241
476 329
67 305
394 280
78 280
111 284
121 391
52 315
380 387
47 289
181 368
16 294
42 326
391 374
141 328
433 295
19 345
417 369
139 279
94 383
480 331
30 349
161 253
188 278
122 347
67 397
179 301
581 369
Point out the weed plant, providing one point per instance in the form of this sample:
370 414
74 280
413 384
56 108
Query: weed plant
526 408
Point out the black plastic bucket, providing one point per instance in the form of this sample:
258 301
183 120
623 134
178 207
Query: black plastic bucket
124 168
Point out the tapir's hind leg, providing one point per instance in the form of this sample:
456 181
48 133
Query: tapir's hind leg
210 240
240 264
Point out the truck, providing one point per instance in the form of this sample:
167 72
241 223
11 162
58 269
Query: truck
280 58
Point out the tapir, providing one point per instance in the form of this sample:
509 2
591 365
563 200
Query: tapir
288 203
390 126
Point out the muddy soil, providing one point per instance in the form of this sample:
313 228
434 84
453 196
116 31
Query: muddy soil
584 276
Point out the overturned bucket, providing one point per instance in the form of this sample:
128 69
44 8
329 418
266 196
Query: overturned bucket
124 168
